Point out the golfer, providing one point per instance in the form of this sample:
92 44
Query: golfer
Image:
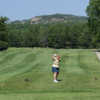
55 67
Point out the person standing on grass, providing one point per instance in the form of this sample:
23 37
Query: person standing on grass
55 67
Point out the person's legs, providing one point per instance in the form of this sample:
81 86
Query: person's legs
55 75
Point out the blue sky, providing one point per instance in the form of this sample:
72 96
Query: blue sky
24 9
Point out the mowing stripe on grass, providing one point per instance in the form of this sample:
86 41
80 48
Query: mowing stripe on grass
8 59
21 63
72 63
11 57
32 73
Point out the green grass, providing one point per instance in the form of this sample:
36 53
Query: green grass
25 73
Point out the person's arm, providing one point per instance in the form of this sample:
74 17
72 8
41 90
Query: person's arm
59 58
53 58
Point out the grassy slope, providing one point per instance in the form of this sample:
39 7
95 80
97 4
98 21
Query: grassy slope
29 71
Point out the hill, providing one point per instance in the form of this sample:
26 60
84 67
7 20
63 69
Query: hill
54 18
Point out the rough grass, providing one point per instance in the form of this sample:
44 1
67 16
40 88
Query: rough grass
26 74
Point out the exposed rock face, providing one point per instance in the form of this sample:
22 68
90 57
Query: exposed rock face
57 18
35 19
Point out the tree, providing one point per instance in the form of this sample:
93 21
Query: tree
93 11
3 33
3 29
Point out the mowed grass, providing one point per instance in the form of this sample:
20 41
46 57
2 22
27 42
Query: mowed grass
25 73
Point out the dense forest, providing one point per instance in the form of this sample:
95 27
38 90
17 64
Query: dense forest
69 33
54 31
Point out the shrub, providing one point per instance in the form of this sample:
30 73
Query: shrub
98 50
3 45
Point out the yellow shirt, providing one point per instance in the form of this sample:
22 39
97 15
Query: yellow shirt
55 62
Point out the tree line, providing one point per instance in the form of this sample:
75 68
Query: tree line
58 35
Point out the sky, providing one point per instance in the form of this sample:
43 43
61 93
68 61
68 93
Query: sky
24 9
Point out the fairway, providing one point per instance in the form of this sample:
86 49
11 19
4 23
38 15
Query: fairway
25 73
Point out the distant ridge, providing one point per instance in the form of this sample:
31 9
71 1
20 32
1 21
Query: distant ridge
54 18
